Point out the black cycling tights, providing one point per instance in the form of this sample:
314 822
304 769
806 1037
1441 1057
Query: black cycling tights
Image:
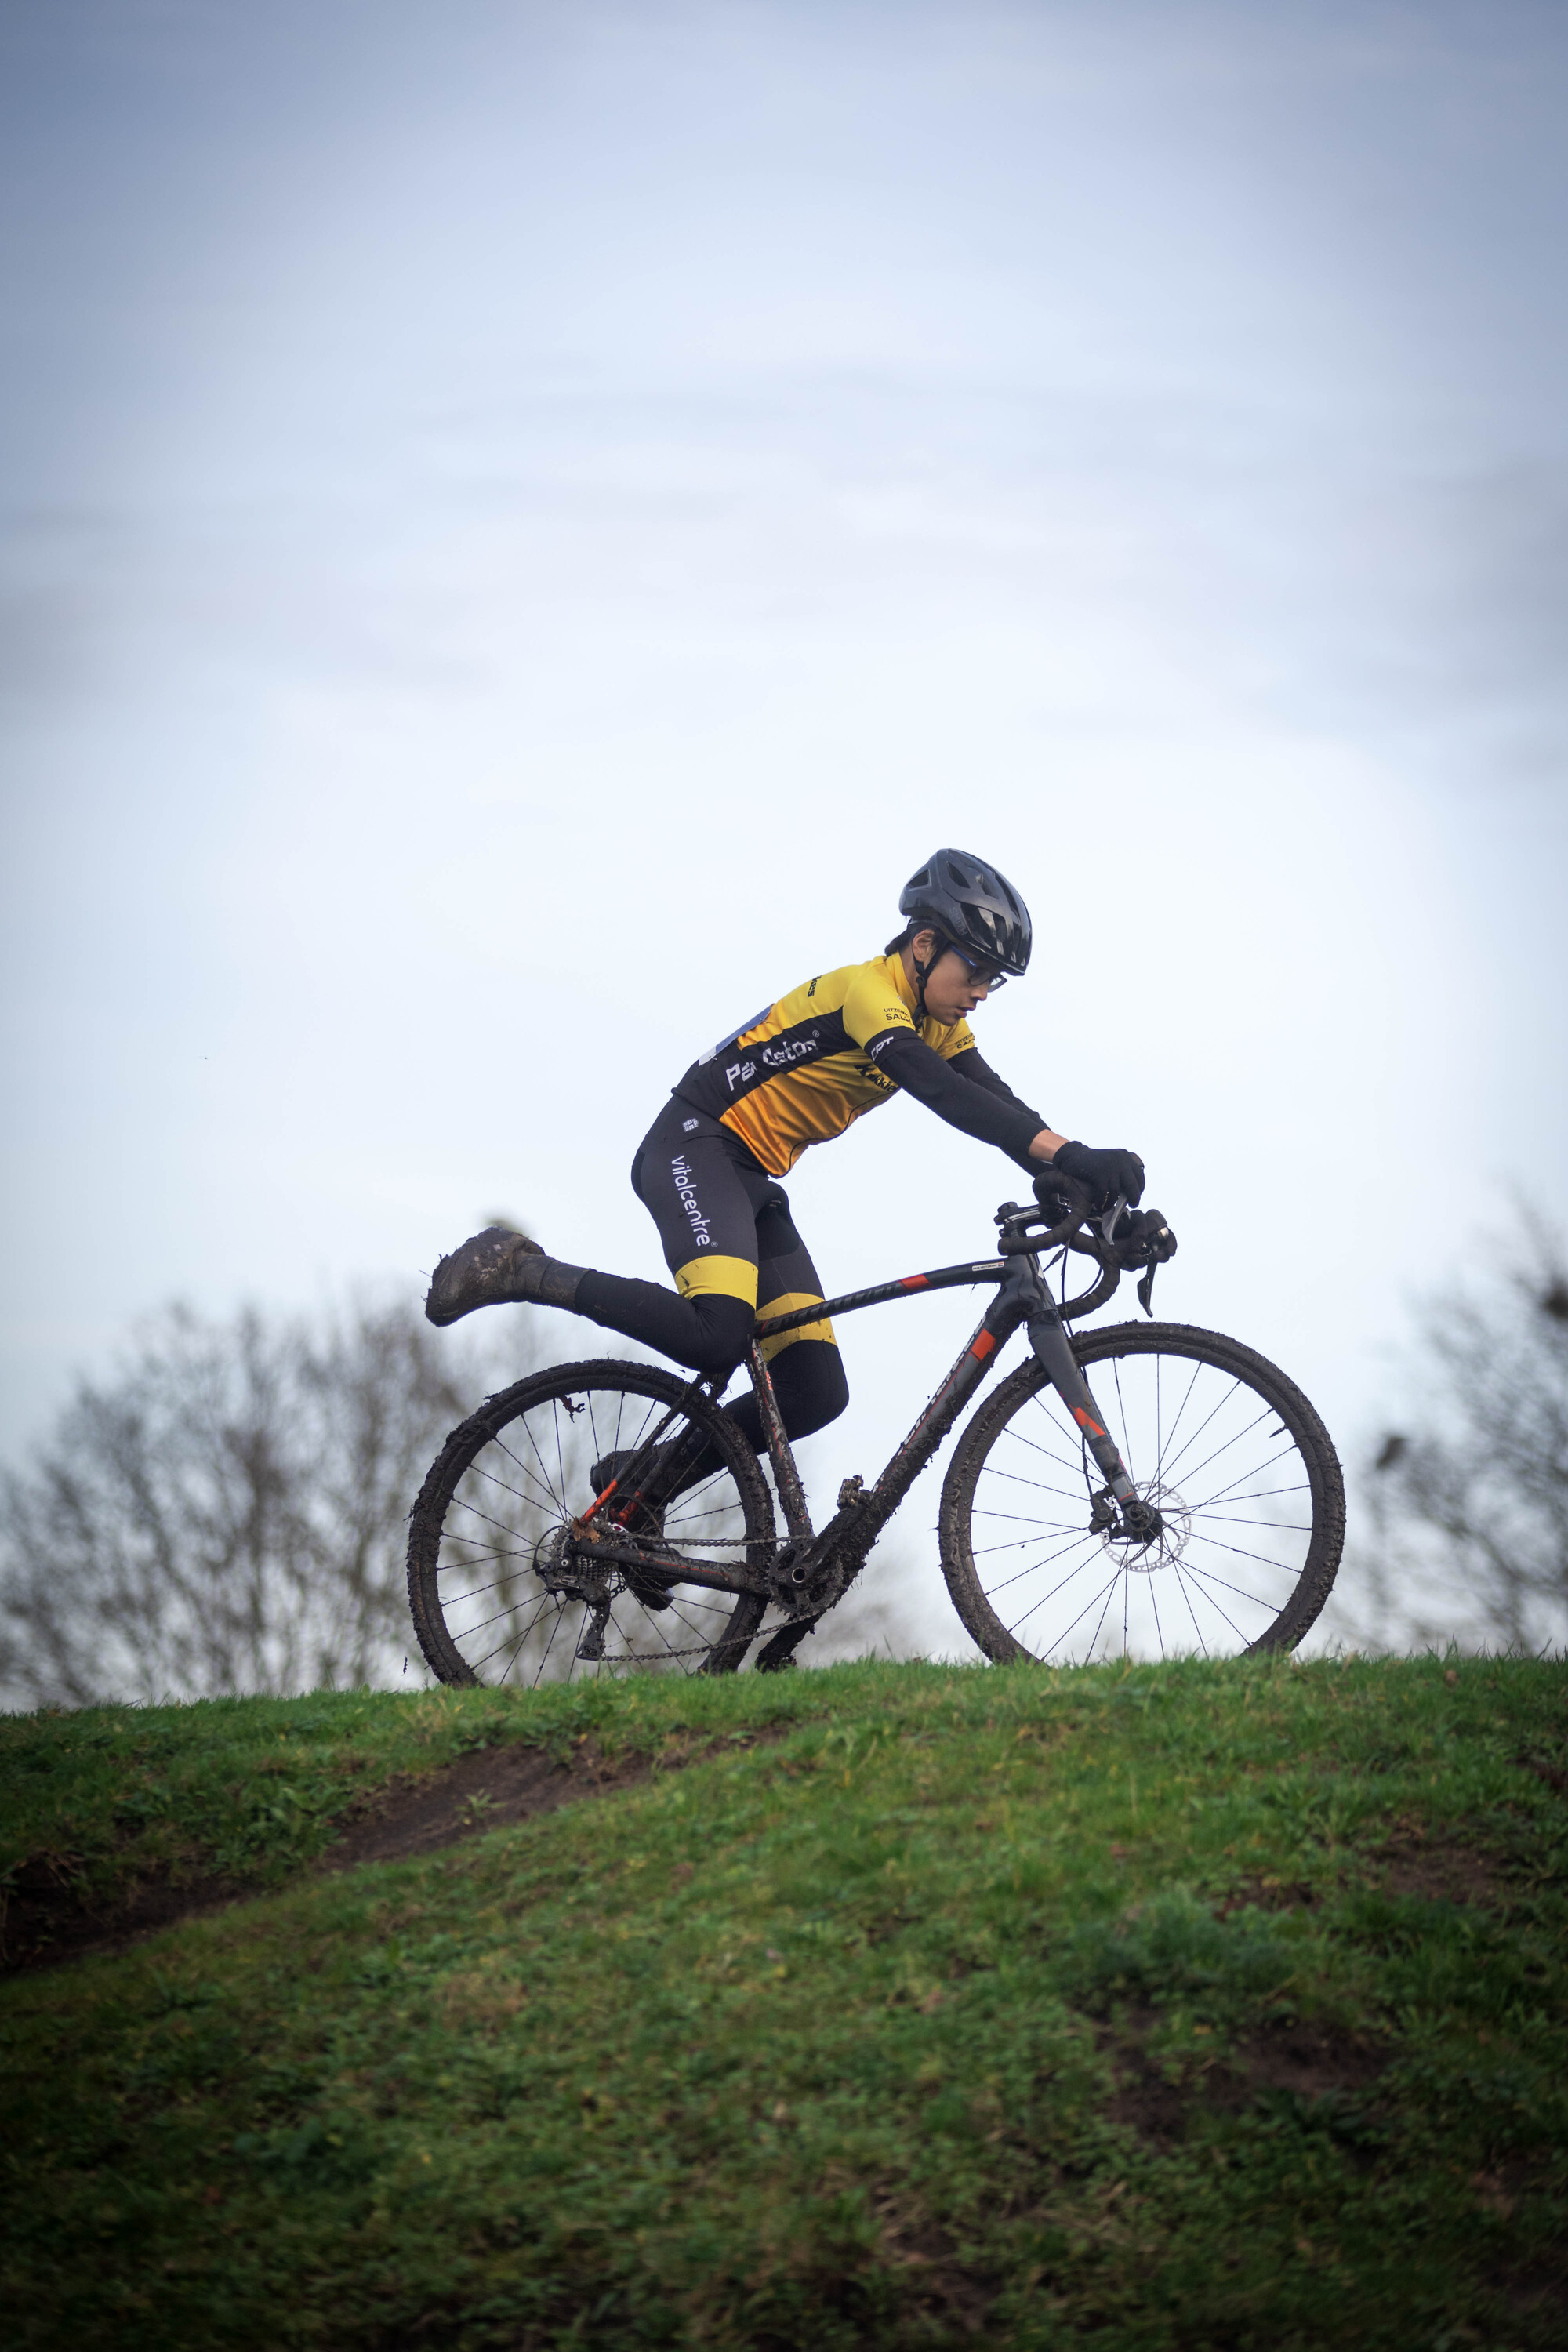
720 1215
808 1375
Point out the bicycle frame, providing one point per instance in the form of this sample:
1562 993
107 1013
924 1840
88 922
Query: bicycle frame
814 1568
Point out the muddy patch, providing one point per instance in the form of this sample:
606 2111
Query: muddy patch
934 2280
1441 1871
1268 1895
1312 2061
50 1917
488 1788
1309 2063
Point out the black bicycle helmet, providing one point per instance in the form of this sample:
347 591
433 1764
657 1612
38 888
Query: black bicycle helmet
971 905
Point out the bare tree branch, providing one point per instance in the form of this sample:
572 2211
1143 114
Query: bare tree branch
1468 1507
226 1513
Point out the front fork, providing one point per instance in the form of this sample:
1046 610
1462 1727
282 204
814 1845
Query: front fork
1049 1339
1053 1349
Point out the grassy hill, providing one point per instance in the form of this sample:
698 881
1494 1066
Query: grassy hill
1197 2006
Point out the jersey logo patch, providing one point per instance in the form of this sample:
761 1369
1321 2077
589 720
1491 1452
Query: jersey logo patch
779 1057
733 1038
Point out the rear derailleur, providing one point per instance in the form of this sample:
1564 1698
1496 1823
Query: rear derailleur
567 1568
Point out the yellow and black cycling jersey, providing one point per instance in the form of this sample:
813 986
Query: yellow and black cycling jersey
804 1068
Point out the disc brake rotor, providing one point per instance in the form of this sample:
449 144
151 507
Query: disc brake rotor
1168 1546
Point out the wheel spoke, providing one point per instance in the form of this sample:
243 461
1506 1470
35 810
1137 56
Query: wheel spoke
1214 1605
1082 1613
1068 1494
1034 1565
475 1592
1160 1461
462 1503
1062 1460
1290 1527
1239 1551
1229 1442
1256 1471
1192 1612
1022 1519
1207 1575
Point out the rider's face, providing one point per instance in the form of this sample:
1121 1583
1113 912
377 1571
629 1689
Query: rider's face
954 985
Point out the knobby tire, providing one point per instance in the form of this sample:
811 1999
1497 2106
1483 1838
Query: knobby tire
1030 1578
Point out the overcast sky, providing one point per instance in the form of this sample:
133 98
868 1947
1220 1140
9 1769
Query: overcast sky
523 524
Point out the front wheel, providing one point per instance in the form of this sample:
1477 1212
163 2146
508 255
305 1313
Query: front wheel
496 1595
1238 1465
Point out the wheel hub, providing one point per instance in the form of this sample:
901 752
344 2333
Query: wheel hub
564 1571
1166 1540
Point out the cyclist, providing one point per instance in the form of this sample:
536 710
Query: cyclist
796 1074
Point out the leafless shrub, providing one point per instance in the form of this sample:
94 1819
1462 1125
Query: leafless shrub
1467 1505
227 1511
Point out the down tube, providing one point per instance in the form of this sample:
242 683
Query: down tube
1000 1320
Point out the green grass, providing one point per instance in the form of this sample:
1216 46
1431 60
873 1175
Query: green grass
993 2007
252 1789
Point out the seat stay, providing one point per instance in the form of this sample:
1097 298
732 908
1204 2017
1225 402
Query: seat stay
787 1476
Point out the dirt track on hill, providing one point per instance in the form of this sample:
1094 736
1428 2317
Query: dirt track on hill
49 1918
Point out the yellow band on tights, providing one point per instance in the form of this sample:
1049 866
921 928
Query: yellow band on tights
786 1305
711 1275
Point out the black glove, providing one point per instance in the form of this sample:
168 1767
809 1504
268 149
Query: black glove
1108 1174
1142 1237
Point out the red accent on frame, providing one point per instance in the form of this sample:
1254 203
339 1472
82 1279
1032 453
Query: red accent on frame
1087 1421
982 1345
911 1282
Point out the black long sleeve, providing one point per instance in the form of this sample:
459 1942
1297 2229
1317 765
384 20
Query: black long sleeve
965 1092
972 1065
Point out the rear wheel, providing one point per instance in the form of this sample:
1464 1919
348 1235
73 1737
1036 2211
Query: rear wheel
496 1592
1236 1462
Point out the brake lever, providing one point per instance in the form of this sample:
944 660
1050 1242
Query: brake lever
1108 1223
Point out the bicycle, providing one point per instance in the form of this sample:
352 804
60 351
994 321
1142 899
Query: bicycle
617 1519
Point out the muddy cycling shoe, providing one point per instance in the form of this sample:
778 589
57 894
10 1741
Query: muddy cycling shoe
647 1523
496 1268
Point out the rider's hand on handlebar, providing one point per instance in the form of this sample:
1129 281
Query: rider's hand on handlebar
1142 1237
1109 1175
